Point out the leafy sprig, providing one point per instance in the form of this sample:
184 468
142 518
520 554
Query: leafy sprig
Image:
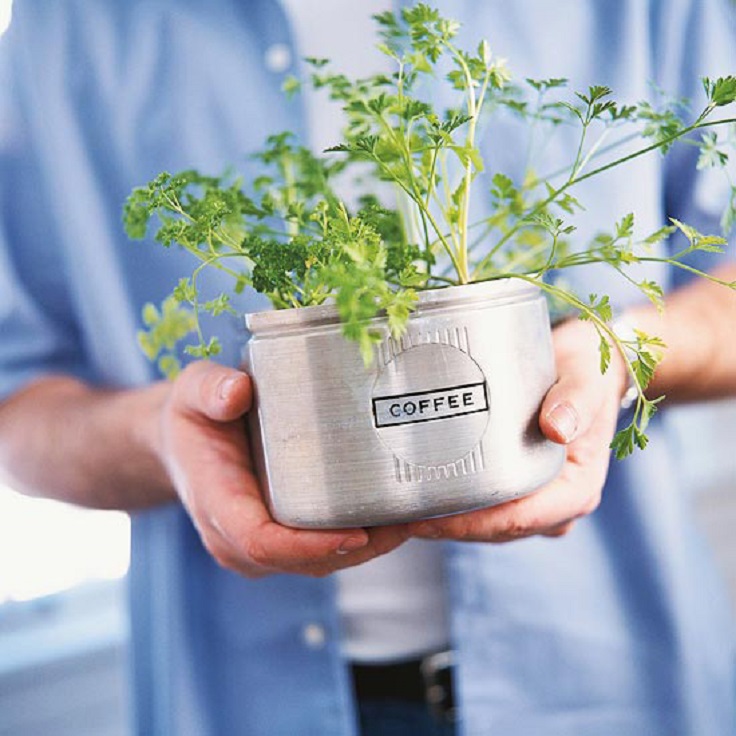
292 240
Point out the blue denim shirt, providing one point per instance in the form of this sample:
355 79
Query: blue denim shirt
620 628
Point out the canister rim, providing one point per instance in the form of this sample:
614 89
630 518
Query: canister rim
502 290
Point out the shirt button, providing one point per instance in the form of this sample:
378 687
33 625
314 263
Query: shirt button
314 636
277 58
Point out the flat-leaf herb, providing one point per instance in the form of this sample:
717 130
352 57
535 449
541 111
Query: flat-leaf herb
289 235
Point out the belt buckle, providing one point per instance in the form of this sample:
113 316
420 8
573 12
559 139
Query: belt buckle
436 671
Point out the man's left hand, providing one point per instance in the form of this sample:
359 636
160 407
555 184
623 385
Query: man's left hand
579 411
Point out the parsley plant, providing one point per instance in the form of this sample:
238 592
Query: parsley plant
288 234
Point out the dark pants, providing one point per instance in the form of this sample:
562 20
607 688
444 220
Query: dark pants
400 718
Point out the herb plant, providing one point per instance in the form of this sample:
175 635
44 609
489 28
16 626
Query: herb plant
290 236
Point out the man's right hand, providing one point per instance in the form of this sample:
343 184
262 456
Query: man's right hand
203 446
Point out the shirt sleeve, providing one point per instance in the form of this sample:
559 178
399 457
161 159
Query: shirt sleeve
693 40
38 333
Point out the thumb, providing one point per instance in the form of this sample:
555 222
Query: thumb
571 406
581 391
220 393
559 419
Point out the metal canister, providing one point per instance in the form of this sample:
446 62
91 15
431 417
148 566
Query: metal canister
444 421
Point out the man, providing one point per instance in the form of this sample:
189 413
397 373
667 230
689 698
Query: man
618 628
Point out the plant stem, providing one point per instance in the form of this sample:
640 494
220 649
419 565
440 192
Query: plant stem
419 202
474 106
602 327
605 167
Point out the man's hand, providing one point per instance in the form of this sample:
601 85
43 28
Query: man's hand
203 447
579 411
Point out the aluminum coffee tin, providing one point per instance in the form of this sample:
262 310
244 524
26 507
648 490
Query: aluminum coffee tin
444 421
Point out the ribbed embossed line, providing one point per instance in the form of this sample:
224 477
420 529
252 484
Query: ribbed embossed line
472 463
456 337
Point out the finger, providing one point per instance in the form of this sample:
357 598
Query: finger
240 533
211 468
561 530
214 391
382 541
570 496
574 402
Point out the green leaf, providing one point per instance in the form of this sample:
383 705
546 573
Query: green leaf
711 244
166 327
169 366
710 154
574 109
653 292
542 85
469 155
625 227
729 214
455 121
219 305
721 91
291 86
698 241
204 351
595 93
568 203
150 315
644 366
503 187
623 442
689 232
317 63
384 48
600 306
648 410
659 235
185 292
662 124
137 213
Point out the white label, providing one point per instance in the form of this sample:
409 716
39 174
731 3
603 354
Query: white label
428 406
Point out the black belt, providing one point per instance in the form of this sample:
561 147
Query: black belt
427 680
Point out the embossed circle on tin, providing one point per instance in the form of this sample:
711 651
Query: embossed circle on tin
430 404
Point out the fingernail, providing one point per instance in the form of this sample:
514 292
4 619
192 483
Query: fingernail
226 387
565 421
427 530
351 544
